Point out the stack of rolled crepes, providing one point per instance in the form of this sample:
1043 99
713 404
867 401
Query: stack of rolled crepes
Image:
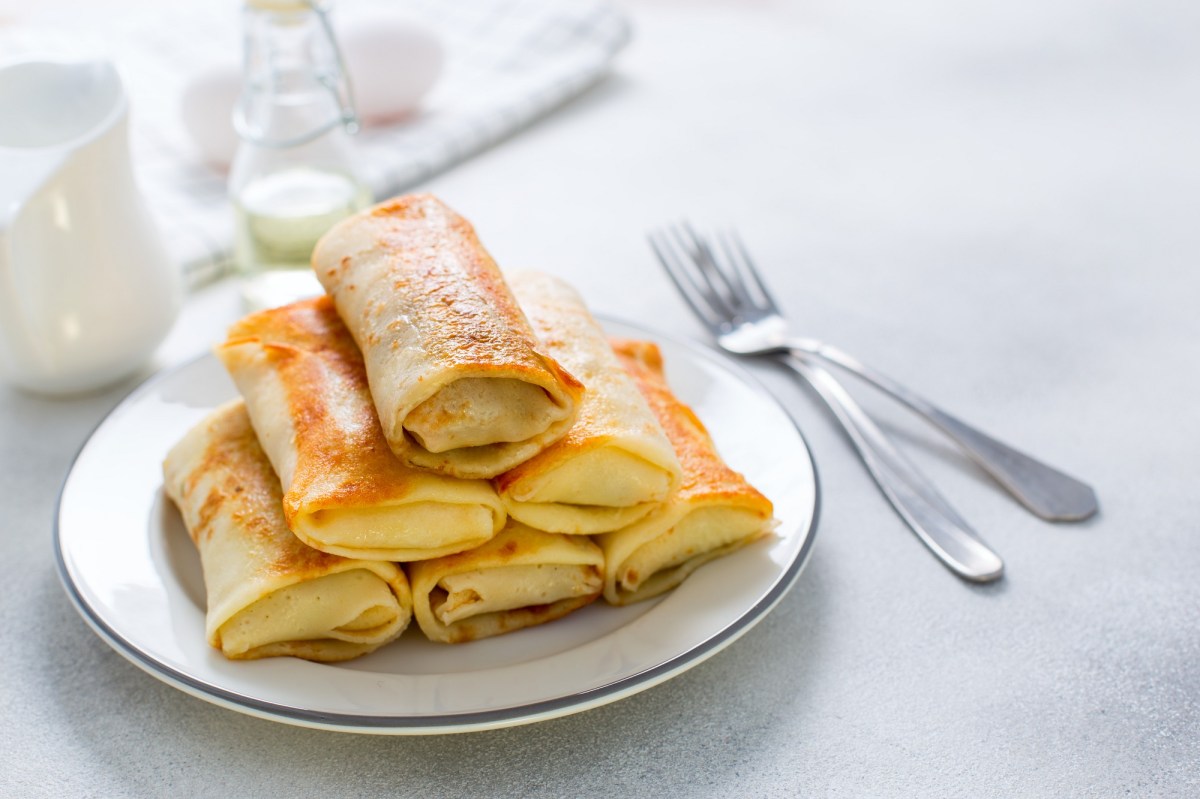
429 420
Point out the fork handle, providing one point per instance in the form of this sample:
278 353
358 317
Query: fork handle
1041 488
933 519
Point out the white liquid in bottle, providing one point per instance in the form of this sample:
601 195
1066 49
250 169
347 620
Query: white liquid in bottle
278 219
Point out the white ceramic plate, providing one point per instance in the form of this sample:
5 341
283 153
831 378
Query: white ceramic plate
128 565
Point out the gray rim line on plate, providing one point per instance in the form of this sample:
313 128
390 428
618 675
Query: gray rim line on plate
478 719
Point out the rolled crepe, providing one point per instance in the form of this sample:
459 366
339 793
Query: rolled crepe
520 578
344 492
712 513
461 384
268 593
615 465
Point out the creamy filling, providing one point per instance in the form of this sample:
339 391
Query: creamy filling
477 411
577 519
475 593
701 532
355 606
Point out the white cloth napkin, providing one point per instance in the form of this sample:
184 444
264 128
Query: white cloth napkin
508 62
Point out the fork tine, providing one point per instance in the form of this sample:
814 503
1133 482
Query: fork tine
746 268
706 262
735 274
683 280
690 262
726 264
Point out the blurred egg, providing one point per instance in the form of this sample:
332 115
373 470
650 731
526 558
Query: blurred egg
392 61
207 111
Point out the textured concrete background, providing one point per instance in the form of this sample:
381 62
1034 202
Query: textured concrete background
996 202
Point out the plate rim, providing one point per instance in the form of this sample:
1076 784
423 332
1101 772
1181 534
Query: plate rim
456 722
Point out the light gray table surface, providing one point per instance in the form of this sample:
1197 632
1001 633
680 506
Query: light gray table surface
994 201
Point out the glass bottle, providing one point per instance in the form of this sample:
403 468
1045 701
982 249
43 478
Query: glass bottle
294 175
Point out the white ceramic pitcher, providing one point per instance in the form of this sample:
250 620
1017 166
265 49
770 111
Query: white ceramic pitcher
87 290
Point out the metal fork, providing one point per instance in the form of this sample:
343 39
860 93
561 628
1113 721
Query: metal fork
727 293
696 274
734 304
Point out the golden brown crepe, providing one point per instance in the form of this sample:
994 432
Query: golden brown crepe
344 491
461 384
616 464
520 578
268 593
712 513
